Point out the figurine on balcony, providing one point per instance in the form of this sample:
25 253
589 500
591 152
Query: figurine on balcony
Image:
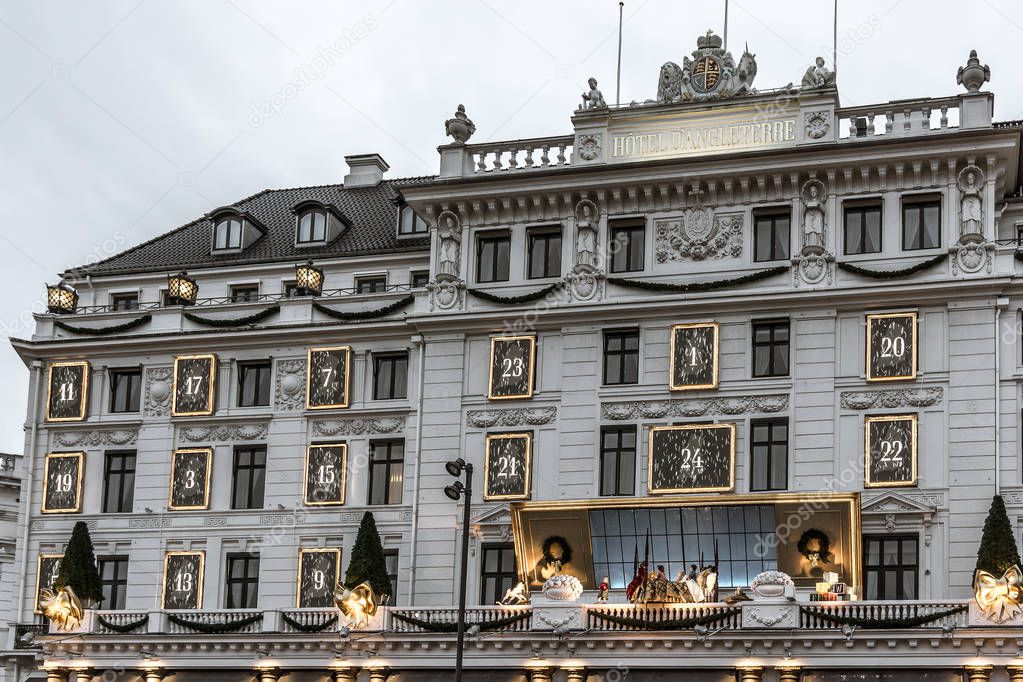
515 596
603 590
594 99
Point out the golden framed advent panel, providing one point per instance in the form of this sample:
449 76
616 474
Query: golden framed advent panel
343 474
50 456
346 384
83 408
914 356
39 576
530 370
868 481
672 357
527 466
210 393
199 578
209 475
302 552
690 427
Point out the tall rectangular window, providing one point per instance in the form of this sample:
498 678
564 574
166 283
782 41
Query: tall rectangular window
242 581
249 477
386 471
771 235
113 580
621 357
118 482
863 228
125 389
921 223
391 564
390 376
618 460
771 348
544 252
498 572
627 247
891 566
769 454
493 252
254 383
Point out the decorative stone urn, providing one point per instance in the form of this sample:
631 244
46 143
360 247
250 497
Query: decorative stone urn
460 127
973 75
771 585
563 587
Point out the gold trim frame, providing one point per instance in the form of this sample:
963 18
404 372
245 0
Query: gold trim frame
343 473
209 474
80 456
528 436
210 394
84 407
347 381
689 427
200 578
915 355
39 575
671 361
494 340
301 557
914 449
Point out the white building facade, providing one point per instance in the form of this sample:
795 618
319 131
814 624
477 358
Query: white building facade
749 329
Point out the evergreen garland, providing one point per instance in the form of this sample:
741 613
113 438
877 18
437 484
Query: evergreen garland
524 298
367 563
215 628
484 626
302 627
124 628
365 314
233 321
101 331
673 624
881 623
78 567
893 274
689 287
998 552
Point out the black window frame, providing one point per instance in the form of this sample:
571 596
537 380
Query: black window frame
371 284
774 325
634 259
765 448
233 240
247 582
771 217
398 379
395 556
550 236
114 587
921 202
899 568
244 293
861 207
415 222
620 452
418 278
132 400
493 592
119 498
499 270
125 300
260 394
620 353
250 493
306 232
382 460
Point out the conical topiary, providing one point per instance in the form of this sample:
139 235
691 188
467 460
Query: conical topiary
367 563
998 552
78 567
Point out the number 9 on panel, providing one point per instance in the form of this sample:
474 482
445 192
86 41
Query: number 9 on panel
318 571
511 367
891 347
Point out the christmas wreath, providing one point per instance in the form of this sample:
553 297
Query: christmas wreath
823 542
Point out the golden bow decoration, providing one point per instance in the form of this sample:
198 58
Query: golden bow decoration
1001 599
62 607
359 604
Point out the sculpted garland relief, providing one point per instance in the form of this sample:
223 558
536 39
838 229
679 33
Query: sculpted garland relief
698 235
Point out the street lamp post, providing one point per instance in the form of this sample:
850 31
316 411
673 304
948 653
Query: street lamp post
456 491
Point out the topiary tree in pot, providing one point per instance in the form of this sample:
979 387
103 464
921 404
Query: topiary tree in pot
367 563
78 568
998 552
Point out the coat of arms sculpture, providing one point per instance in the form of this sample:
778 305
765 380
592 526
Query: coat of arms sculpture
711 74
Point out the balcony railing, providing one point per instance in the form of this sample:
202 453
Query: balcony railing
622 617
530 154
882 611
898 118
404 620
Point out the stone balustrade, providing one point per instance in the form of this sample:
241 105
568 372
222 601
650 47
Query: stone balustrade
517 155
897 119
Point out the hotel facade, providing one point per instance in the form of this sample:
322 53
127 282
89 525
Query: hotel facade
730 327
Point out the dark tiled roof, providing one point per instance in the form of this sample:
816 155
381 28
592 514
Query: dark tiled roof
373 212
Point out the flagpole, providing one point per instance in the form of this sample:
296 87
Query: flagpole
618 87
726 25
834 44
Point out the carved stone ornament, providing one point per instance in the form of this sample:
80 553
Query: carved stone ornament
289 392
973 75
588 146
971 206
449 255
460 127
71 439
818 76
694 407
221 433
584 284
517 416
973 255
592 98
814 268
158 391
816 124
446 294
698 235
905 397
814 195
587 216
711 74
357 426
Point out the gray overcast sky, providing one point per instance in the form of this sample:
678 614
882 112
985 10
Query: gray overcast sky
120 120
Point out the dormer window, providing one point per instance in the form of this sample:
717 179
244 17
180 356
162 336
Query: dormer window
227 234
318 223
409 222
312 226
234 230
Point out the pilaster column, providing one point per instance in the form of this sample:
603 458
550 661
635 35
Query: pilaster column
753 673
541 674
575 675
1015 673
56 676
345 674
978 673
789 674
379 674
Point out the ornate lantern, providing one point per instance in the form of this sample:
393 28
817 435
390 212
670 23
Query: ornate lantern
182 289
61 299
308 279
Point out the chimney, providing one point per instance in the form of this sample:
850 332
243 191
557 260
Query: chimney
365 170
